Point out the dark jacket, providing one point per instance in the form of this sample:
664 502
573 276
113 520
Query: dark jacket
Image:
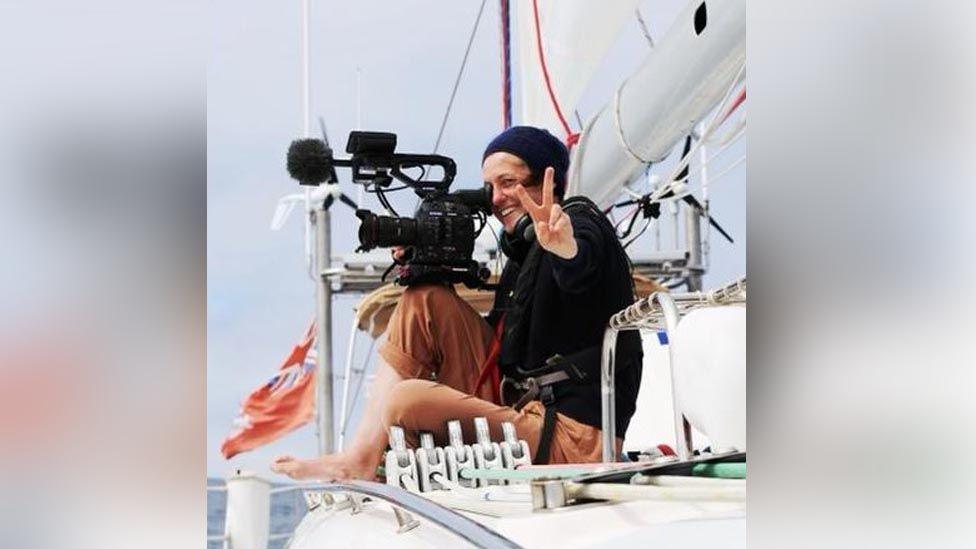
556 306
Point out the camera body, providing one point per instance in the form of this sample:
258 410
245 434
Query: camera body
441 234
441 238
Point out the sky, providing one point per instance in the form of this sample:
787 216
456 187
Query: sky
259 296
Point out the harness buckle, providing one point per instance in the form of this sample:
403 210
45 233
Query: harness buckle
547 396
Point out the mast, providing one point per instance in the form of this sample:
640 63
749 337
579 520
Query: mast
319 217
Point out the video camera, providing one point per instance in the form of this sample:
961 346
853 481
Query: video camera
443 231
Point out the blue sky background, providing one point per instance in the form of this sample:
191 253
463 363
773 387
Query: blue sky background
259 298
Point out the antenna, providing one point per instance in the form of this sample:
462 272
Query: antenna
361 192
325 133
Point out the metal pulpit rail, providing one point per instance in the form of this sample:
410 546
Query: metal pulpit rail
658 311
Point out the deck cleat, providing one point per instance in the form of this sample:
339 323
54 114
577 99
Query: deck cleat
458 455
405 521
487 454
401 463
356 503
515 452
430 461
316 498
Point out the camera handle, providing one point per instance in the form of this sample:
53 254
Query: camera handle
407 161
381 169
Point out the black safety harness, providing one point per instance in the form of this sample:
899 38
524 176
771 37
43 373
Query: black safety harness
539 384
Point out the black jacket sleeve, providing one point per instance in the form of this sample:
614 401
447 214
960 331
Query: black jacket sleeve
583 270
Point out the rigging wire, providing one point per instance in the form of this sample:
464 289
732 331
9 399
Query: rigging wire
639 233
721 114
645 203
623 219
579 120
711 179
457 81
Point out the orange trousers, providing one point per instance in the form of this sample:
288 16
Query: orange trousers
437 343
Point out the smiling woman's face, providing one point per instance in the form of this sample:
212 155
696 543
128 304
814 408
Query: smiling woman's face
503 171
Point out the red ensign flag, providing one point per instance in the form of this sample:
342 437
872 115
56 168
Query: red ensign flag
284 403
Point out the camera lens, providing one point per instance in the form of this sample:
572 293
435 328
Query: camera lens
385 231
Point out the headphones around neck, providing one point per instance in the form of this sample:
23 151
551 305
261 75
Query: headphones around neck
517 244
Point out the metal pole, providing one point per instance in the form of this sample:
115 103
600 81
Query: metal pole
323 254
682 430
323 296
675 208
694 247
346 379
608 400
657 222
703 158
306 132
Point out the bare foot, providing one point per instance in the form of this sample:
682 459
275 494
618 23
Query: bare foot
340 466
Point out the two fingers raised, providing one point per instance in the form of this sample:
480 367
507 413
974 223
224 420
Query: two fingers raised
539 212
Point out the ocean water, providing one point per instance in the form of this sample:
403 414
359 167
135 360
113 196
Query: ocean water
287 510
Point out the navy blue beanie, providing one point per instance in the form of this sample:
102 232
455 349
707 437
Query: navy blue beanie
538 148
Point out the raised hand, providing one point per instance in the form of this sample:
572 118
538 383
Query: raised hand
553 229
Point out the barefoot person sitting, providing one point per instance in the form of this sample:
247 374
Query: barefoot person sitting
566 275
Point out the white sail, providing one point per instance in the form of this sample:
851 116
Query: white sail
576 35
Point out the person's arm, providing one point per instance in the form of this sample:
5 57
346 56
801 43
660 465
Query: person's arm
576 274
576 244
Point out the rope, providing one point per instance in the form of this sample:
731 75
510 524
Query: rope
571 137
616 98
506 65
457 81
735 104
724 145
733 134
618 125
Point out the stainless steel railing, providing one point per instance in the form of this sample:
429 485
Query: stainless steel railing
658 311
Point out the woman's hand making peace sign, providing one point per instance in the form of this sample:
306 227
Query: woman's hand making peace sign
553 229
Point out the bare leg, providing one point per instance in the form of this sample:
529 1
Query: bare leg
432 334
366 450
